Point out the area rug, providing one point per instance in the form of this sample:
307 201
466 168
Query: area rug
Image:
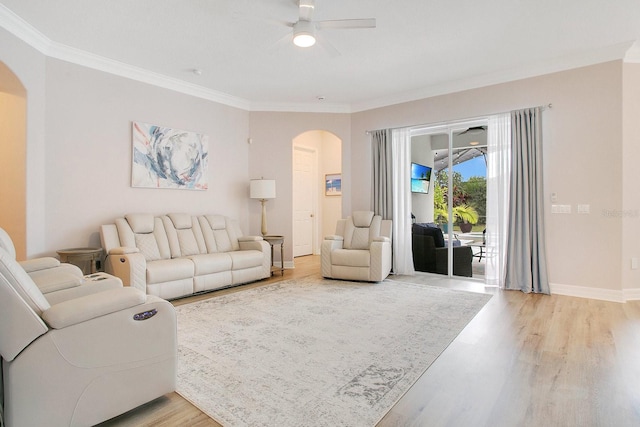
313 352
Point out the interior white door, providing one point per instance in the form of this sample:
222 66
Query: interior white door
304 196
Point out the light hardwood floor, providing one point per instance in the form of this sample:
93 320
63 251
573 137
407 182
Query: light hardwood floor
524 360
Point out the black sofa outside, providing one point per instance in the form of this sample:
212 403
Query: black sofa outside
431 255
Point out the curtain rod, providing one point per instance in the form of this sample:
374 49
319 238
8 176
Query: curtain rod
450 122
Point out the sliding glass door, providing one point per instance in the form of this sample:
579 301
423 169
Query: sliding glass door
449 203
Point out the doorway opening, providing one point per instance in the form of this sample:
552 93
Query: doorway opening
13 158
317 206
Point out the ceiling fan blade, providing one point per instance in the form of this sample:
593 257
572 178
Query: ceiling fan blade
282 42
306 8
340 24
328 48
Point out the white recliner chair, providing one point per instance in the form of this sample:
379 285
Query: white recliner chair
84 360
360 249
57 281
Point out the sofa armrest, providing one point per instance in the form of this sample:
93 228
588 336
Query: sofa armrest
250 239
380 253
329 244
131 268
39 264
381 239
89 307
122 250
256 245
334 237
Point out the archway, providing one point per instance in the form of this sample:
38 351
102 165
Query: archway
13 142
316 155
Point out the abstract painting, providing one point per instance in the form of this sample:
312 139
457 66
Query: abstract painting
168 158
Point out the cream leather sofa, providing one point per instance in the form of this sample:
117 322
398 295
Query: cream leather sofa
59 281
360 249
175 255
83 360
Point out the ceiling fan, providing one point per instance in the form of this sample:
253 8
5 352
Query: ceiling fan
304 30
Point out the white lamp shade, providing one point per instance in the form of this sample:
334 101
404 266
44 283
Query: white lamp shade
262 189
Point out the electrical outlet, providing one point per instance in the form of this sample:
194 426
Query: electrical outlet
584 209
634 263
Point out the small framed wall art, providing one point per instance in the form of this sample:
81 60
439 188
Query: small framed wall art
333 184
168 158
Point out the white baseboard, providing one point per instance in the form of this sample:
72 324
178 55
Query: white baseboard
613 295
631 294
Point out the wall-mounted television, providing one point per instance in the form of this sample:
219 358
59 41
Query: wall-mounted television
420 178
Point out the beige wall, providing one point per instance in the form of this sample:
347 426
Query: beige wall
582 161
271 155
630 211
422 204
89 149
331 205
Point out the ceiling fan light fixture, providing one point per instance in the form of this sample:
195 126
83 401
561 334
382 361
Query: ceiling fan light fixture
304 34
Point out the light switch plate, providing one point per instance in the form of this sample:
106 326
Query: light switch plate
584 209
562 209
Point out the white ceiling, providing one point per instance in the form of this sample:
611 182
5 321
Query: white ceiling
420 48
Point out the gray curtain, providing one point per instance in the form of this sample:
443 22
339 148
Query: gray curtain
382 188
526 266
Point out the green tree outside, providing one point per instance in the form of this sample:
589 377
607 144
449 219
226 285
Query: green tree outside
470 195
476 191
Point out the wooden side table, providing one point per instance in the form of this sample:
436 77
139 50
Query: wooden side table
82 257
276 240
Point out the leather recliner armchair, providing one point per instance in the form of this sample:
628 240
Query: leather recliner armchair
84 360
360 249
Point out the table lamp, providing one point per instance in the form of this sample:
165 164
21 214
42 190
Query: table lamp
263 189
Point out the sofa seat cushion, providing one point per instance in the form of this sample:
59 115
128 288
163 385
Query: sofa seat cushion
351 257
166 270
211 263
246 259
